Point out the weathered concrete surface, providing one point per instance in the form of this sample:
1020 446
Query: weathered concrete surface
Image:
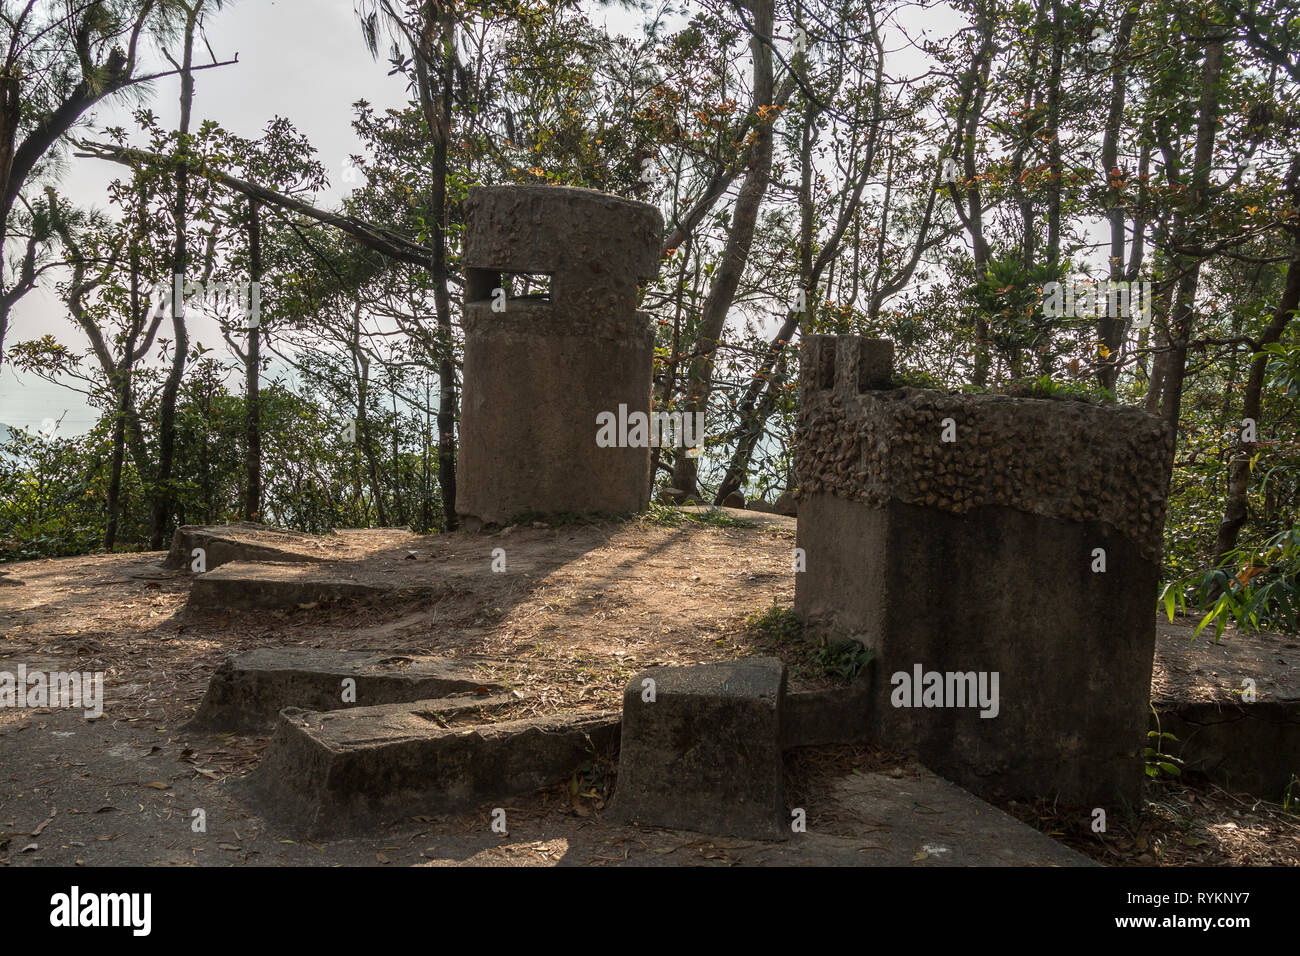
247 585
1198 697
325 773
248 691
250 541
539 373
386 565
840 715
956 453
919 819
1251 747
1073 652
877 822
241 541
705 754
977 555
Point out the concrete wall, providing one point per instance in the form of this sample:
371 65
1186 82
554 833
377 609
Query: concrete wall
978 555
539 373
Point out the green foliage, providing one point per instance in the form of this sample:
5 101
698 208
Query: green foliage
1072 390
916 378
668 516
814 655
1253 589
51 494
53 491
1157 761
777 624
592 781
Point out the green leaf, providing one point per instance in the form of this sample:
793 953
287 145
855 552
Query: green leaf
1204 621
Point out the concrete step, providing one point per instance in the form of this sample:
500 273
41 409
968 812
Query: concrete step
326 773
249 690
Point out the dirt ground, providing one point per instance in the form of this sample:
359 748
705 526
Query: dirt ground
579 609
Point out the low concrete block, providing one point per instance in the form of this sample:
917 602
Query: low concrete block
1244 734
252 586
1252 747
331 772
249 690
817 718
240 541
705 754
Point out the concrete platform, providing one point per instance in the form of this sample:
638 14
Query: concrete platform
250 541
327 773
249 690
247 585
916 818
1198 697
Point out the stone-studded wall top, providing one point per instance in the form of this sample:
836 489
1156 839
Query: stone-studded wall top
862 440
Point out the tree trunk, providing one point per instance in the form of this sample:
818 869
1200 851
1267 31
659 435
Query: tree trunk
1111 329
1235 505
252 368
437 51
122 385
162 500
717 304
969 114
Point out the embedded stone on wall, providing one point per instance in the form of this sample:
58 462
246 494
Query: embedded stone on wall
553 340
1059 459
969 539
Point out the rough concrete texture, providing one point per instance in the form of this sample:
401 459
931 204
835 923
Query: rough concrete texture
1251 747
250 541
918 819
1061 459
538 374
248 691
838 715
868 819
244 541
254 585
977 556
1197 694
327 773
705 754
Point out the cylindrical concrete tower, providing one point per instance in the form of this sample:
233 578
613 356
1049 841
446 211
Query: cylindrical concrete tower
541 368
